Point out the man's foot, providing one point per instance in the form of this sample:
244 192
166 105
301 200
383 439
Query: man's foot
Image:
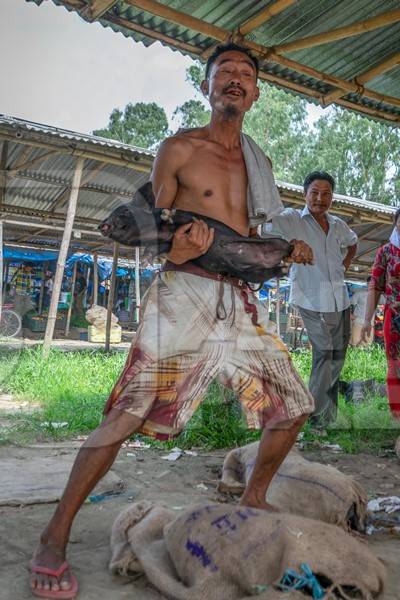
50 574
253 502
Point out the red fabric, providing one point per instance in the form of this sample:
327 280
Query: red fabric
392 347
385 274
249 308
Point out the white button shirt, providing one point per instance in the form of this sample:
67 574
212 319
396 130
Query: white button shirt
319 287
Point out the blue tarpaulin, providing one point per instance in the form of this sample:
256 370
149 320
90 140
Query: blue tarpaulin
28 254
104 266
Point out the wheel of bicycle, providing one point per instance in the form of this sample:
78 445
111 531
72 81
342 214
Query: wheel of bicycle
10 323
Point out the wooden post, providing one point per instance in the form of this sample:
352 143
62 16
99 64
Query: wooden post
111 296
42 286
69 221
95 279
278 308
72 298
137 284
86 292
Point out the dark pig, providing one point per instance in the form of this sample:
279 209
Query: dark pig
139 223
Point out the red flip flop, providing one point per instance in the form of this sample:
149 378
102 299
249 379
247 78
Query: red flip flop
56 595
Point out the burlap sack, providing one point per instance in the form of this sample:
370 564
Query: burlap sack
97 316
301 487
226 552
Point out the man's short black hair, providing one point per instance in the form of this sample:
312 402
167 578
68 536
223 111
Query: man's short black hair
318 175
230 47
396 216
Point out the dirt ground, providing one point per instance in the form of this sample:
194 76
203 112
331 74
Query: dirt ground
172 483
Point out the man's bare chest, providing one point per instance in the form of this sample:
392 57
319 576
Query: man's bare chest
213 174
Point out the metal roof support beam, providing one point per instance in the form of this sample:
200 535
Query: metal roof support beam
28 236
3 172
45 215
362 78
358 256
373 227
25 152
341 33
119 158
58 202
69 222
31 163
181 18
264 15
331 80
43 227
96 8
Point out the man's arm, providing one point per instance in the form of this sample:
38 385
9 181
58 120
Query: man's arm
351 252
284 224
372 303
348 239
164 177
190 240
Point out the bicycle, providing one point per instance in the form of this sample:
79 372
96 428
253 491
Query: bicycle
10 322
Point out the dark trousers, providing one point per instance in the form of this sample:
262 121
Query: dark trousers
329 335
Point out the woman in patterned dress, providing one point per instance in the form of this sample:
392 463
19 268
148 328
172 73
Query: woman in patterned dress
385 279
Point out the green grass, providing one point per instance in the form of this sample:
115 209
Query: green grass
69 387
72 388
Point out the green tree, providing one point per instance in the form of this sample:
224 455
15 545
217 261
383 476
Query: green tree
192 113
363 155
278 123
142 124
195 75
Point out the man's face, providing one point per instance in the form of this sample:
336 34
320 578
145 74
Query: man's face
319 197
232 84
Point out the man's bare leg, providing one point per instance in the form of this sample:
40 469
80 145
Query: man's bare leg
274 447
92 462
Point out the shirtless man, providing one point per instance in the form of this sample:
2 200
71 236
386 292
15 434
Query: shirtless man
195 327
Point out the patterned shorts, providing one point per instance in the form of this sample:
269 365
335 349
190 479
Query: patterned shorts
181 346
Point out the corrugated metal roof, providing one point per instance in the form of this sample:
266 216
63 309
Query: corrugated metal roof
20 125
37 189
344 59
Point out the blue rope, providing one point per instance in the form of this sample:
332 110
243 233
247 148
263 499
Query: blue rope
302 581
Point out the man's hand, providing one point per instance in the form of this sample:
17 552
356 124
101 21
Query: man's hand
366 332
301 253
190 241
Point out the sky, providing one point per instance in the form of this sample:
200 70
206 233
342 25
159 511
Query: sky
59 70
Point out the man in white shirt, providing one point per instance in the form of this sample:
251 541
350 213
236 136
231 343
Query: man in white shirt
319 290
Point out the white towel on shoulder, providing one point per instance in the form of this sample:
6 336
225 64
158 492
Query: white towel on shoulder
263 200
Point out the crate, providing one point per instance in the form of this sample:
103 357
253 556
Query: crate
97 335
39 325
